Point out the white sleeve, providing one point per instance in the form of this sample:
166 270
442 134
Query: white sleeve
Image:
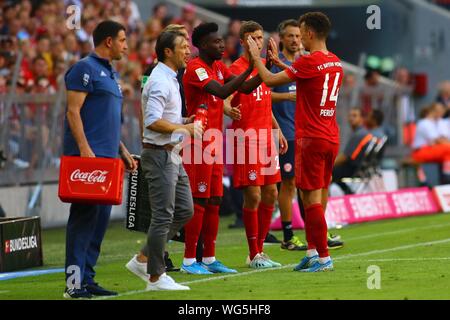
431 132
158 95
426 133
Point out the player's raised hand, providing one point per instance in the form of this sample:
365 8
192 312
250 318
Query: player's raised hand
253 48
272 52
269 61
273 46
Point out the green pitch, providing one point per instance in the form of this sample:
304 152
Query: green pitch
412 254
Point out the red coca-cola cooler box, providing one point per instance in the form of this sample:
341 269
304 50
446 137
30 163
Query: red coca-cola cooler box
91 180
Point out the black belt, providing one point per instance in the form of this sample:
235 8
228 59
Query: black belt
167 147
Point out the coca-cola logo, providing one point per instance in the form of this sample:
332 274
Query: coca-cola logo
96 176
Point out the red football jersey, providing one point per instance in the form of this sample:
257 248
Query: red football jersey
319 77
198 74
256 107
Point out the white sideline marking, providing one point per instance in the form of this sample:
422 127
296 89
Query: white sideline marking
376 235
410 246
402 259
114 257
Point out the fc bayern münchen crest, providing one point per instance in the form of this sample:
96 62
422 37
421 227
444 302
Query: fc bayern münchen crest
202 187
287 167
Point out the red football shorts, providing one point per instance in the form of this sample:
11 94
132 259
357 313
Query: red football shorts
260 167
205 178
314 161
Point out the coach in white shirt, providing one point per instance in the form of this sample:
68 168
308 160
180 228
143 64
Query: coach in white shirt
433 129
169 190
432 140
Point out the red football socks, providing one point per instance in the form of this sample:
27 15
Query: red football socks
192 231
316 229
250 217
264 220
210 230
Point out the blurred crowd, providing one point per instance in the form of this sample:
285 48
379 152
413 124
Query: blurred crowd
51 39
395 101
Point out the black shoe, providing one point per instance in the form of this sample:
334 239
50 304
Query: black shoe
238 224
169 264
77 293
96 290
270 238
294 245
334 241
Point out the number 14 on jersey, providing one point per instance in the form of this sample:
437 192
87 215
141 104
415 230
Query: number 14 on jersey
334 92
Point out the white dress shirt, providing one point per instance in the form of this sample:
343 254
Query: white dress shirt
161 99
429 130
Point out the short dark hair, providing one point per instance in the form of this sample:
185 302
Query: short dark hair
317 21
249 27
286 23
105 29
377 116
166 40
203 30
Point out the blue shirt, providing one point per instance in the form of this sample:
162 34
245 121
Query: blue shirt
101 111
284 111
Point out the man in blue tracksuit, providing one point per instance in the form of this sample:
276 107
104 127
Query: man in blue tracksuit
283 108
92 129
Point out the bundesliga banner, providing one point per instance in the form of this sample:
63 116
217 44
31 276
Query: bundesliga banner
138 213
382 205
371 207
21 245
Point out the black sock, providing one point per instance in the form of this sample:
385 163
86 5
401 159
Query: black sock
301 207
287 230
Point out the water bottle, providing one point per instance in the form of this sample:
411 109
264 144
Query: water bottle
201 115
